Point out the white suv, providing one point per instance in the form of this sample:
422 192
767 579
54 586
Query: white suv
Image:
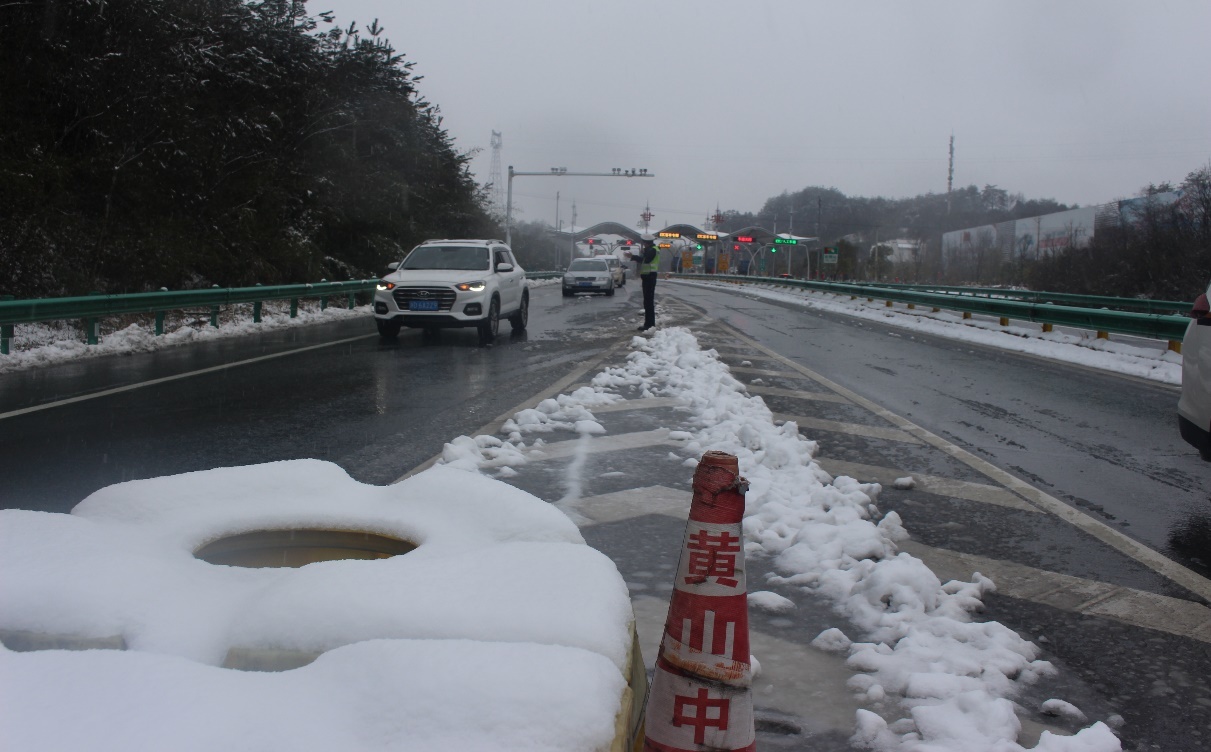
453 283
1194 407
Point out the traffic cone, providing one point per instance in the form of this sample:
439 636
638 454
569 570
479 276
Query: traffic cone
701 696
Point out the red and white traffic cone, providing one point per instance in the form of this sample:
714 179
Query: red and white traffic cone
701 696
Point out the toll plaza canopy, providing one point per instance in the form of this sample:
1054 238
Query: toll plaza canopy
753 234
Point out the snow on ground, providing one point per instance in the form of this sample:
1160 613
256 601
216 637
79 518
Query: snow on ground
1155 364
420 651
931 677
49 342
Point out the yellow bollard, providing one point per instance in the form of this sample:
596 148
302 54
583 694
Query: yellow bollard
1047 328
1103 335
966 314
1175 346
1004 321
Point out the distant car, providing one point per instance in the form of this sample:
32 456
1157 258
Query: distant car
453 283
616 268
1194 407
588 275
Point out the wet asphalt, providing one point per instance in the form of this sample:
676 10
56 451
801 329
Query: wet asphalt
1105 444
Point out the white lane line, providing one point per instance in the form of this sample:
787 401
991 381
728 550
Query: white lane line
796 679
750 371
934 484
1065 592
1074 594
598 444
646 403
853 429
176 377
633 502
494 425
1150 558
774 391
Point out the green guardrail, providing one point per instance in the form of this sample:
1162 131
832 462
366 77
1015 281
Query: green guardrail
1154 326
92 308
1059 298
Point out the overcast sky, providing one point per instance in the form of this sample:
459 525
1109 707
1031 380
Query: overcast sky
729 103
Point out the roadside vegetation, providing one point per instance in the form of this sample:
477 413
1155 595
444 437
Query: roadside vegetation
185 143
1165 253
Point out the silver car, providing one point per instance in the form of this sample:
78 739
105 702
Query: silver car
588 275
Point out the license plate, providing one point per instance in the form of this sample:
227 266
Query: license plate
422 305
586 284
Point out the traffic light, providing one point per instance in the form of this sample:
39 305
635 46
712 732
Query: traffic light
591 241
735 247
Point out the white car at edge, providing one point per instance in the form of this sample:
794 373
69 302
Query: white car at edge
1194 407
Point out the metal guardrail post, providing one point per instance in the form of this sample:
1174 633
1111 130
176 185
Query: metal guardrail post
159 323
294 308
92 326
214 312
352 302
6 332
323 299
256 312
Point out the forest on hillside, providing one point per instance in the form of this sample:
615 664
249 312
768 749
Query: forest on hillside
186 143
1164 253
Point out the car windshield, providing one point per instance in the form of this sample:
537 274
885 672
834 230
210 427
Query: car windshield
587 265
460 257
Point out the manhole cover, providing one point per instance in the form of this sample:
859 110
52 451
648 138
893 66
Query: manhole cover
296 548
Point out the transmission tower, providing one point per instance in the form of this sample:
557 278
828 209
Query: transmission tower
495 178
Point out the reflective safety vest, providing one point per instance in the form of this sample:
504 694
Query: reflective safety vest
652 266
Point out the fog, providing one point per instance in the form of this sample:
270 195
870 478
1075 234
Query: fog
729 103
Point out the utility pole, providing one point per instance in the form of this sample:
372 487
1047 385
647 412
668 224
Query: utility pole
950 173
572 235
495 177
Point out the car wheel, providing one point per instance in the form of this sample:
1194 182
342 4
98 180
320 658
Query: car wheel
519 319
567 293
388 328
491 324
610 292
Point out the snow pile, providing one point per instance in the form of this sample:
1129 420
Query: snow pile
419 651
1156 364
47 343
920 650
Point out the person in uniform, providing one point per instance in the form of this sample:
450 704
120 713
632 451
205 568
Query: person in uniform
649 266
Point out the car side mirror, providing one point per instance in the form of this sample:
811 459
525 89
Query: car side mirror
393 265
504 267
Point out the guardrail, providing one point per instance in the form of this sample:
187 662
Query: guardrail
92 308
1154 326
1060 298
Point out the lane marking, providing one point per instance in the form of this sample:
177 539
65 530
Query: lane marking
762 372
645 403
493 426
633 502
1141 553
1068 593
934 484
176 377
1138 608
774 391
852 429
599 444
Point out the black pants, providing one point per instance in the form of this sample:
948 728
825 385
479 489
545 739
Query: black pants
649 300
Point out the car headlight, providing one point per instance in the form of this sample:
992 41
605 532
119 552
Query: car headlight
385 285
476 286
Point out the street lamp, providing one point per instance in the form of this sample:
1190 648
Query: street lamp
560 172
